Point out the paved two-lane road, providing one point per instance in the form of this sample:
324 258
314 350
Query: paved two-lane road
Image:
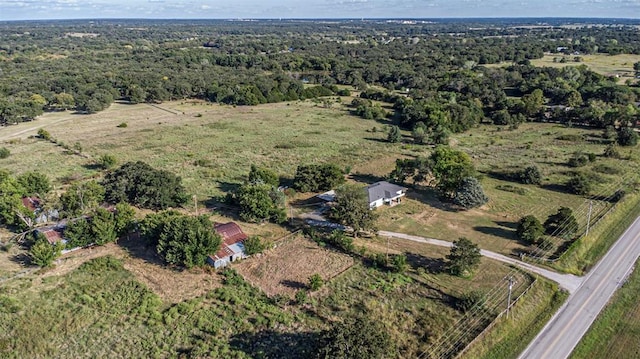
561 335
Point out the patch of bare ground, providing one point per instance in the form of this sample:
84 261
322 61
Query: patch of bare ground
287 268
171 285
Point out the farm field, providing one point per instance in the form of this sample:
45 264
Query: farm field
604 64
212 147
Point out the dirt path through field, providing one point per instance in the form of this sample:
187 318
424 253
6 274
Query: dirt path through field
24 129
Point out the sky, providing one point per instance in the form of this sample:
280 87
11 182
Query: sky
225 9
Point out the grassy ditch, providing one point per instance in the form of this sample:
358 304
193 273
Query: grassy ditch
510 336
583 254
615 332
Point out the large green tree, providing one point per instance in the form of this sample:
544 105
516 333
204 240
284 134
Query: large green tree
314 178
260 202
42 253
464 257
142 185
561 223
35 183
12 211
449 168
470 194
81 197
187 241
351 208
530 230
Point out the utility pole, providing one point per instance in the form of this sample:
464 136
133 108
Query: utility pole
387 250
511 283
586 233
195 203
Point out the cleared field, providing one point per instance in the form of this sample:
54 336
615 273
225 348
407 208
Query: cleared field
224 140
616 65
615 332
287 268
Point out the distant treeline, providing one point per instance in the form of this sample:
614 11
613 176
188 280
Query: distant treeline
47 66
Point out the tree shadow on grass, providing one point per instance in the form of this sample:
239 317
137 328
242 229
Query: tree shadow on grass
511 225
366 178
555 187
22 258
272 344
139 248
496 231
293 284
431 265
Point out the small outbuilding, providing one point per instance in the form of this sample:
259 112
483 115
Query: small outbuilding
53 234
384 192
232 247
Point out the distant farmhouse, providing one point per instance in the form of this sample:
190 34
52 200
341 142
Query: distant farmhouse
383 192
232 247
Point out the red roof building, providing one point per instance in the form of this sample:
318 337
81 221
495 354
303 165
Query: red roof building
32 203
52 234
232 247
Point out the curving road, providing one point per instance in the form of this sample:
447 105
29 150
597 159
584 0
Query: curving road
567 281
564 331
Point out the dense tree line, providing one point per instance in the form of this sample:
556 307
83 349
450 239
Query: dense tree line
48 66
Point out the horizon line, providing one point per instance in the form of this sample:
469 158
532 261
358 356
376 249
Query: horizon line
328 18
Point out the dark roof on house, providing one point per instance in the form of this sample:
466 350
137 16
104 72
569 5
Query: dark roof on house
231 235
32 203
383 189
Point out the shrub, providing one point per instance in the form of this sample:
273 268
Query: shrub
510 188
44 134
253 245
578 160
470 300
107 161
579 184
301 296
315 282
627 137
43 253
611 151
4 152
122 125
530 175
399 263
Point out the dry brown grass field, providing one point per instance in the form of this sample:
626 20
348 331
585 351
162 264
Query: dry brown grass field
616 65
287 268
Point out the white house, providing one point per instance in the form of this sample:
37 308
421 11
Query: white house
384 192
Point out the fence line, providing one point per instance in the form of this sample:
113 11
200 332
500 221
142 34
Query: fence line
495 321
